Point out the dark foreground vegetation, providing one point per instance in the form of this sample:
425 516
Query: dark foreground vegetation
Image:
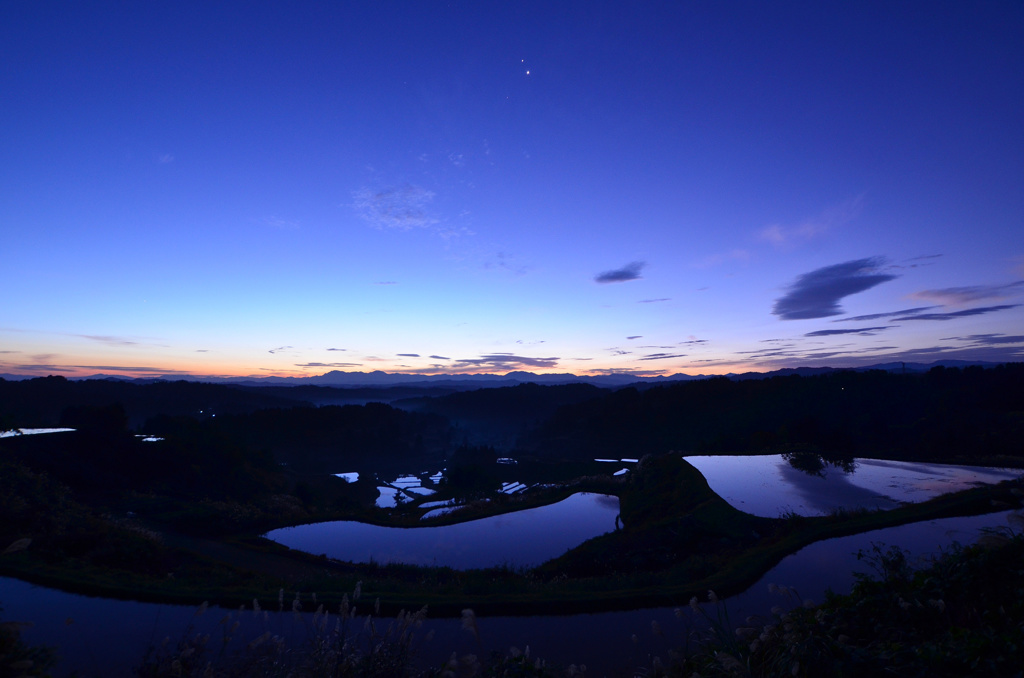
179 519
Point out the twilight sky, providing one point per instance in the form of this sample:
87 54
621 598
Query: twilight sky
588 187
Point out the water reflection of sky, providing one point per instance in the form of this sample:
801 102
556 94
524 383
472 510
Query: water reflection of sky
523 538
599 640
768 486
31 431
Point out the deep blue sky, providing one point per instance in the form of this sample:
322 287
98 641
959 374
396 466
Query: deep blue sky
478 186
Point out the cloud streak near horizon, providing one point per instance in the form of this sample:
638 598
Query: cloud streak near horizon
504 361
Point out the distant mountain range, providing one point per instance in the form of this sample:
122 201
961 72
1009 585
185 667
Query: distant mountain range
460 382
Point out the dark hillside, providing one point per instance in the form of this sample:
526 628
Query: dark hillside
40 402
348 395
498 416
973 413
333 439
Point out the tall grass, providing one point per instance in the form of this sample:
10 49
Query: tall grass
338 645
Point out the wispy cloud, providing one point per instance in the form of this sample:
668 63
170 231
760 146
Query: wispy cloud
440 357
630 271
917 262
961 296
779 234
662 356
654 301
817 294
862 331
399 207
615 371
337 349
331 365
279 349
274 221
54 368
635 336
693 341
716 259
165 158
408 355
889 314
1019 265
109 340
505 262
982 310
504 361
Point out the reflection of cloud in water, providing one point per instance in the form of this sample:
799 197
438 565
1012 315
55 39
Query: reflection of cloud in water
766 485
823 494
909 481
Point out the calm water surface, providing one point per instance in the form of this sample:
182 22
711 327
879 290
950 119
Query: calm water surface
521 539
769 486
82 626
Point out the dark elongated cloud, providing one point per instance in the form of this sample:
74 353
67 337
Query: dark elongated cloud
440 357
654 301
328 365
866 331
990 339
630 271
960 314
890 314
817 294
662 356
408 355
